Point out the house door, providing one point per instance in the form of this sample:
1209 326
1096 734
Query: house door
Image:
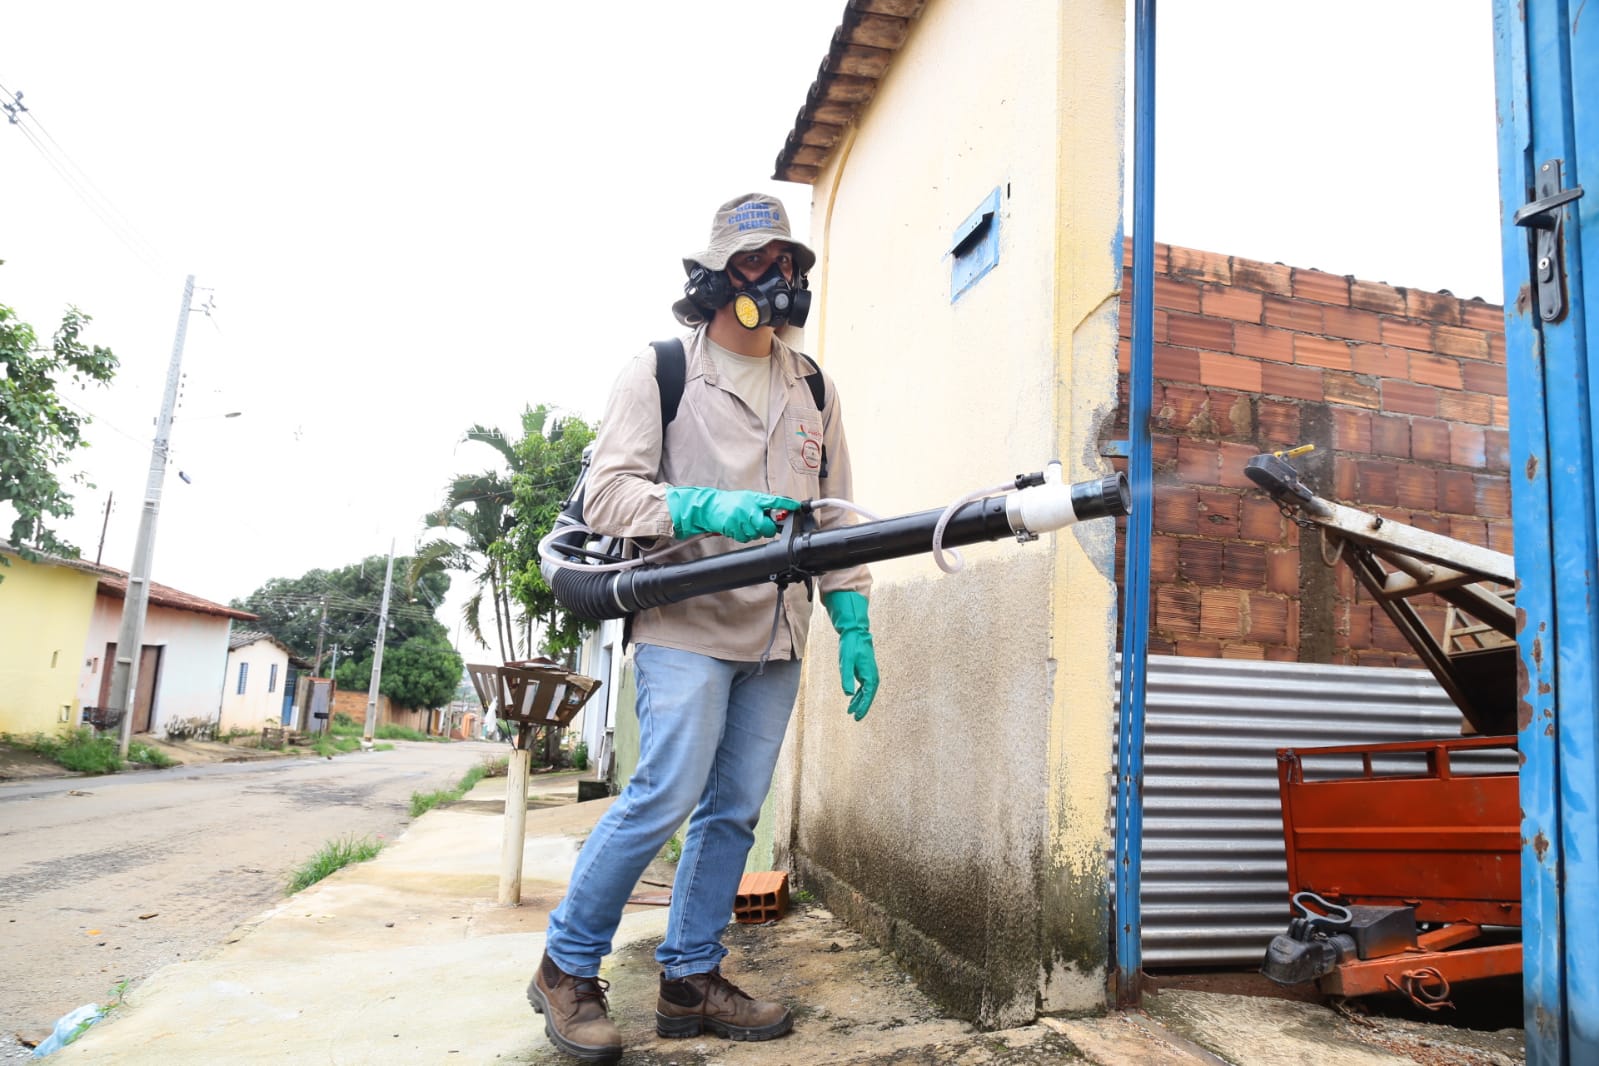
144 697
1546 66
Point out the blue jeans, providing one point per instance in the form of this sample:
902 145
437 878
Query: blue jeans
709 734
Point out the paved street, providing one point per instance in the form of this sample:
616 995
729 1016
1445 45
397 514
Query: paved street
109 878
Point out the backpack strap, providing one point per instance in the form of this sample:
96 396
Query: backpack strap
671 368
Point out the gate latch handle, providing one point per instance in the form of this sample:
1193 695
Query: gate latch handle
1543 217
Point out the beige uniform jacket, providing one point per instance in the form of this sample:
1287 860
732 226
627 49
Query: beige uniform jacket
718 442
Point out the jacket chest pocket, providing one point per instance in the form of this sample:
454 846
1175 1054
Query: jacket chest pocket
802 436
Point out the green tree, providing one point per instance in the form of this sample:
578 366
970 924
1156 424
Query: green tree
422 673
549 456
475 515
38 431
292 609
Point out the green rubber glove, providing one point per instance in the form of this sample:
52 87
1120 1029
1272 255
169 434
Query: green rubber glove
857 664
737 513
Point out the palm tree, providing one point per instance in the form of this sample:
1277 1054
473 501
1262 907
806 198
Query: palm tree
478 508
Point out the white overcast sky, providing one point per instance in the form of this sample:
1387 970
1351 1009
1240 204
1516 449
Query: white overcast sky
416 217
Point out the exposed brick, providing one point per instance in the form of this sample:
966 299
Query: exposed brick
1299 382
1220 613
1198 461
1176 609
1466 407
1350 389
1496 450
1189 331
1321 287
1176 295
1233 412
1163 558
1353 325
1279 654
1429 440
1402 397
1176 509
1390 436
1199 560
1381 361
1360 626
1501 536
1262 277
1158 645
1243 651
1493 496
1124 355
1432 523
1433 306
1465 343
1234 457
1471 529
1268 618
1484 377
1468 445
1457 492
1500 415
1278 421
1319 351
1183 407
1244 565
1206 266
1199 649
1375 296
1218 513
1240 305
1496 348
1261 519
1293 314
1176 364
1426 369
1403 334
1263 342
1351 430
1379 483
1346 479
1164 447
1387 635
1417 487
1219 370
1282 571
1475 314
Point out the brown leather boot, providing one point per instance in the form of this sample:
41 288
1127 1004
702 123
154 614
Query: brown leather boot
708 1001
574 1010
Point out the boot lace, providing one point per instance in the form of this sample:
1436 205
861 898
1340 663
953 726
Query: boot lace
715 978
590 988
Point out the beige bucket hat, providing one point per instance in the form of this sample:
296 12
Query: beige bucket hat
753 220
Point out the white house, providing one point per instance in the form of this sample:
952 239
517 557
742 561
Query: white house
184 654
259 680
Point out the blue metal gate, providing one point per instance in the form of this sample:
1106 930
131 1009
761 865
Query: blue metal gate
1546 59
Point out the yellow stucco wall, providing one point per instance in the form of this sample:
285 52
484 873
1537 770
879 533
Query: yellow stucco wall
44 619
965 821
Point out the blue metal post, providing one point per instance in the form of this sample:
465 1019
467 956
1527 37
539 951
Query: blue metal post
1140 474
1547 74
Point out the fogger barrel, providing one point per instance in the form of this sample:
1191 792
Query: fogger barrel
799 553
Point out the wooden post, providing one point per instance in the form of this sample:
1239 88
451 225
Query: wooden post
516 777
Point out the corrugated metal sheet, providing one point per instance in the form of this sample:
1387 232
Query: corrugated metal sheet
1214 876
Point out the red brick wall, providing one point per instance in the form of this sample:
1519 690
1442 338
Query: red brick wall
1403 394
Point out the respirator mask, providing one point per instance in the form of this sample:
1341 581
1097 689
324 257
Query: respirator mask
772 300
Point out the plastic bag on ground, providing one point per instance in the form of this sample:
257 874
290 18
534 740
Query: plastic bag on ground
67 1028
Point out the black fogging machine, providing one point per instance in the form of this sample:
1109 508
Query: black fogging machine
592 579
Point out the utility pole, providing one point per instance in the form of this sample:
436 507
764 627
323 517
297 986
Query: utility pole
130 636
321 628
103 524
377 655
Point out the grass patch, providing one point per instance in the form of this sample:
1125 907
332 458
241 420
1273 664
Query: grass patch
345 726
145 755
400 732
328 745
335 855
673 849
496 767
422 802
75 749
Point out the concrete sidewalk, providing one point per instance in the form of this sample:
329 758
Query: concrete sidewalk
408 960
